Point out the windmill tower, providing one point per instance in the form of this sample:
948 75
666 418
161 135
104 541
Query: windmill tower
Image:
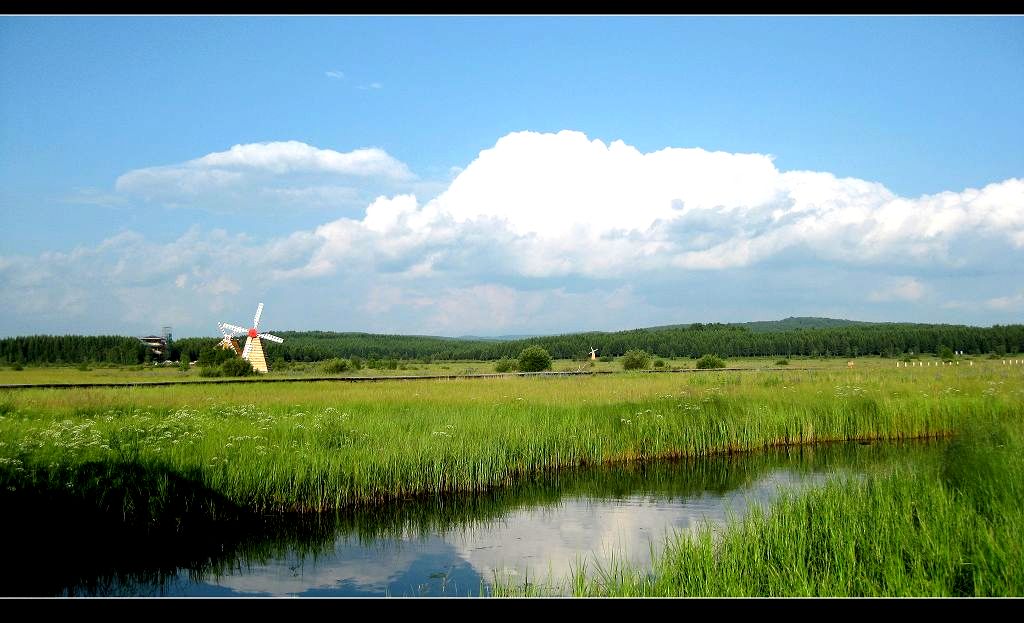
253 351
593 354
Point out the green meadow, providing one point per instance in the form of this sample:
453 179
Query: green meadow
135 453
149 373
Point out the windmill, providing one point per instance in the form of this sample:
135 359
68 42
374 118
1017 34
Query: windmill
253 351
593 354
229 342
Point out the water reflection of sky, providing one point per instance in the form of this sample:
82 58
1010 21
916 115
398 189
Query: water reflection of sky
539 543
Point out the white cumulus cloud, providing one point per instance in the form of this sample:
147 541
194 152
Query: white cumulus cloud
544 232
1007 303
543 205
908 289
272 174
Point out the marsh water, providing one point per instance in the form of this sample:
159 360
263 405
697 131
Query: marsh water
538 530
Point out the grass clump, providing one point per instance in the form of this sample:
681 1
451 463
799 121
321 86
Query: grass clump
209 371
336 366
709 361
505 364
237 367
636 359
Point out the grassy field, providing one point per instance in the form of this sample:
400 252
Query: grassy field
109 373
163 456
315 446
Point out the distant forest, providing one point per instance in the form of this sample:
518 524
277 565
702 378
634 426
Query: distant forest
785 338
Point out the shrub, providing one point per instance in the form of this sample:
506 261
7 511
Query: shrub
237 367
606 358
357 362
17 366
335 366
635 359
183 362
84 367
215 355
659 363
505 364
209 371
534 359
945 353
782 362
710 361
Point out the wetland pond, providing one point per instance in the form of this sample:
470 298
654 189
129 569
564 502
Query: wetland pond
537 530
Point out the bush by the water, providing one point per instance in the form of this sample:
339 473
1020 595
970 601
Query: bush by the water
659 363
336 366
534 359
505 364
710 361
635 359
237 367
782 362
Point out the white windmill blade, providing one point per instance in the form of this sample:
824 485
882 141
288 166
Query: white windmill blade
256 319
248 347
224 331
234 328
272 338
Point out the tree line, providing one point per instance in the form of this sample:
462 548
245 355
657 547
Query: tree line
72 349
679 341
885 339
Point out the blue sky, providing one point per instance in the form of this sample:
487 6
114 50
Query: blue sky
124 207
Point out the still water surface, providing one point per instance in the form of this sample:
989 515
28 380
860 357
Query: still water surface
539 530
